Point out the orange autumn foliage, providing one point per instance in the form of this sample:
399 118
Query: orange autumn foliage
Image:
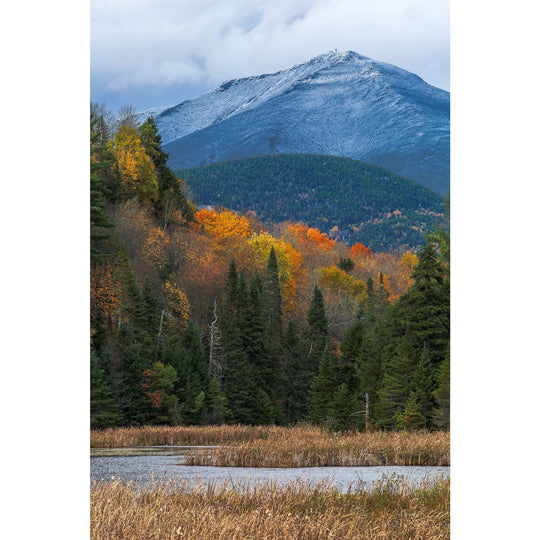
222 225
359 250
310 235
104 291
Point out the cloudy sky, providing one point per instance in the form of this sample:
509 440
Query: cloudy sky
149 53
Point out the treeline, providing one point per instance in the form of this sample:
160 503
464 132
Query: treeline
205 316
373 206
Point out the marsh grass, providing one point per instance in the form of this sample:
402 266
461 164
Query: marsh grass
271 446
393 510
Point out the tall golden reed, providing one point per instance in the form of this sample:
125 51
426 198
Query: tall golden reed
393 511
271 446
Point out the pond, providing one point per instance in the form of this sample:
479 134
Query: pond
165 464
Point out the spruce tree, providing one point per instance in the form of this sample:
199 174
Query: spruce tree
424 310
442 393
423 385
104 409
171 191
396 383
318 329
297 377
322 390
272 314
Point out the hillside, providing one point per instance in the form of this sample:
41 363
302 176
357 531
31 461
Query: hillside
340 104
342 197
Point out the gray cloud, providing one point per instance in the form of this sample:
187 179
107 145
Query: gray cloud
159 52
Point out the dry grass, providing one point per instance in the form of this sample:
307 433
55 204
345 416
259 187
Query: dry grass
270 446
394 510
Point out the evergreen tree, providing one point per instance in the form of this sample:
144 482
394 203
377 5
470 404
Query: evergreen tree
410 417
104 409
318 329
396 383
297 378
135 404
215 408
171 190
322 390
423 385
343 409
100 224
193 376
272 316
442 393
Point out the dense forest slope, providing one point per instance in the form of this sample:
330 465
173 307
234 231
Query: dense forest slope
206 316
348 199
340 104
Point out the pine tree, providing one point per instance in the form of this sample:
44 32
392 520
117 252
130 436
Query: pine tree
318 329
100 224
343 409
104 409
396 383
193 376
135 404
322 390
423 385
215 407
410 417
297 378
272 318
171 190
442 393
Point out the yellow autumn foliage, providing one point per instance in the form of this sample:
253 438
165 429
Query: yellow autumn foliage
177 305
137 172
154 248
339 281
289 261
223 225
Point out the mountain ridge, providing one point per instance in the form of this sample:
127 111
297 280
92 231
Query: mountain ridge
340 103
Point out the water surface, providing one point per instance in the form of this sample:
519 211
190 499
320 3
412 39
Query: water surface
146 469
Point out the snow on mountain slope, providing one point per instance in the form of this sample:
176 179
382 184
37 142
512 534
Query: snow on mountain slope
341 104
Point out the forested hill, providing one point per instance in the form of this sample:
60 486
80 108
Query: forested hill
343 197
205 316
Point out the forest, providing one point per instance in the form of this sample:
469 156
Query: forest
373 206
205 315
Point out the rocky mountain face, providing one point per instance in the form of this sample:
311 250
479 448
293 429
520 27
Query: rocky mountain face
339 104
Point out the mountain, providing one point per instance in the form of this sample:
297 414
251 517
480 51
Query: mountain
340 104
345 198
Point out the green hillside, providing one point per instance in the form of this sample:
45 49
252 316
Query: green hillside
340 196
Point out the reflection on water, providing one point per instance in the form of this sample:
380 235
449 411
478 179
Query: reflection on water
144 469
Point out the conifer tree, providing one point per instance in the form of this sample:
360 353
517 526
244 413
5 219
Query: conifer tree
297 377
442 393
423 385
343 409
410 417
396 383
171 191
215 407
100 224
104 409
272 315
322 390
318 329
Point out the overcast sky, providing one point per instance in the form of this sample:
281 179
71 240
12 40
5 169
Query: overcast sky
150 53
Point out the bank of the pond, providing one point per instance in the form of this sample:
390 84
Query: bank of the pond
272 446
